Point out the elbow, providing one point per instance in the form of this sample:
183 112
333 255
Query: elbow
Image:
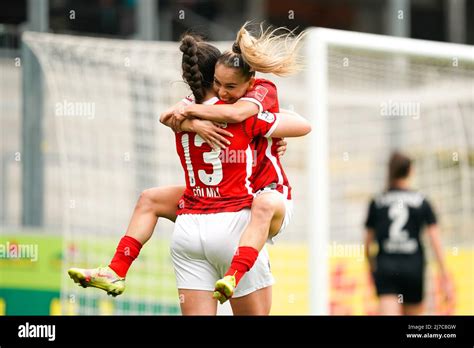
307 128
163 118
304 129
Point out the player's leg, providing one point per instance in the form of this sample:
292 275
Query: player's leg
195 274
253 296
413 309
413 292
389 291
152 204
197 302
389 305
267 216
258 302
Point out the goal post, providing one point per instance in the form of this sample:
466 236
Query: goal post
317 158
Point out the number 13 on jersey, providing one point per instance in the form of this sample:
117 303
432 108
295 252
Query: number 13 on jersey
211 157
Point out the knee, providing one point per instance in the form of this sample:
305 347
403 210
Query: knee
265 207
146 201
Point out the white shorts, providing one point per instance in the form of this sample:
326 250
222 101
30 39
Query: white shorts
202 248
288 211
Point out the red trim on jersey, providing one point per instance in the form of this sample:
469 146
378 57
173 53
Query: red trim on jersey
268 170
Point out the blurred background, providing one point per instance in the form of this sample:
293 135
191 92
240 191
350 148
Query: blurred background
440 20
82 84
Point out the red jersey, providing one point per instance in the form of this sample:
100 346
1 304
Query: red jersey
219 180
268 170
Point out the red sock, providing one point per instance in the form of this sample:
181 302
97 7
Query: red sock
127 251
242 262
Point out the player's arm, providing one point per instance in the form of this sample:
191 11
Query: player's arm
281 147
167 115
435 240
370 236
208 131
290 124
368 240
230 113
262 96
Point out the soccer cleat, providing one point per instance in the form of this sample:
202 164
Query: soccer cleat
224 289
102 278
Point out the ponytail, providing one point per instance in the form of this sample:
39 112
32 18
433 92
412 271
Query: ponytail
268 53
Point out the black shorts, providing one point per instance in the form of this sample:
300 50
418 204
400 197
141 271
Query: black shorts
408 285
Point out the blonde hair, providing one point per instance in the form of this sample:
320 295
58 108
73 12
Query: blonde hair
270 52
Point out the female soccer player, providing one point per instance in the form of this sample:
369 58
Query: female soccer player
162 202
395 220
215 206
234 76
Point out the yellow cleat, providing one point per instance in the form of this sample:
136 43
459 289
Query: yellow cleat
102 278
224 289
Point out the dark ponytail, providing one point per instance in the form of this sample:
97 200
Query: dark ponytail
198 64
398 168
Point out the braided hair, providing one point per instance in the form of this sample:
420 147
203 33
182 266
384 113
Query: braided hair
198 65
